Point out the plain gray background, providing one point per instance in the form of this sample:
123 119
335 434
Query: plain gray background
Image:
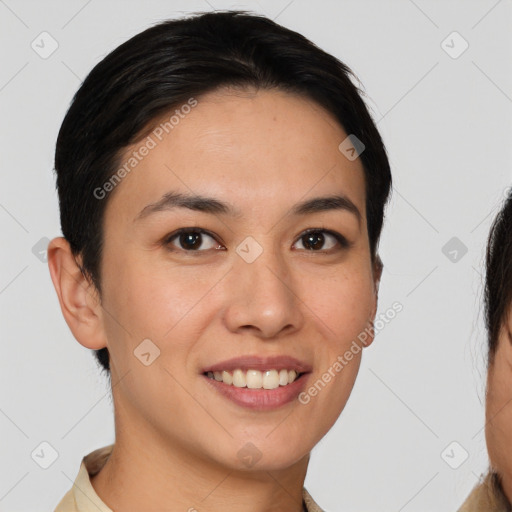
445 116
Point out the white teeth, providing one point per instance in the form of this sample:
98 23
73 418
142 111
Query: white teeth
239 379
270 379
254 379
227 377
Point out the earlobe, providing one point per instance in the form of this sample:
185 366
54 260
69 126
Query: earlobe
377 274
78 298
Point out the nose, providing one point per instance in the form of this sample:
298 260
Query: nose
262 297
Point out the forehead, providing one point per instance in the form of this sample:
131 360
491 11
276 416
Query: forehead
256 149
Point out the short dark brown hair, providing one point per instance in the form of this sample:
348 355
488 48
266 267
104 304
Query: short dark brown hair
498 280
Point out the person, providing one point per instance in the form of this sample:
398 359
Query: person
222 188
494 492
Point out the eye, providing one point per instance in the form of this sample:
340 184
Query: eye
191 239
315 239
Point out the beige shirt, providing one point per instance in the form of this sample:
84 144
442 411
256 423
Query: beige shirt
83 498
487 496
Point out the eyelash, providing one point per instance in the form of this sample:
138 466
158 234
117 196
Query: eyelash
342 241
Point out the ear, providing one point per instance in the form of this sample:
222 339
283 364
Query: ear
377 274
79 299
369 333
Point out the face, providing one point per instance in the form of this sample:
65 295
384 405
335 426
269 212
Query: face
243 280
498 430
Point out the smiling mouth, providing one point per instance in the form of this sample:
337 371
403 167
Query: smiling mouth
255 379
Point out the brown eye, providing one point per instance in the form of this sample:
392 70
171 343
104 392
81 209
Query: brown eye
315 240
191 240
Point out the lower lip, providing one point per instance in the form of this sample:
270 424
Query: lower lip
260 399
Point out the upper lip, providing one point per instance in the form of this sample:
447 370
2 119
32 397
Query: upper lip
245 363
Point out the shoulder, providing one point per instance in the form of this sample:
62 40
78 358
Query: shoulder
86 497
67 503
311 505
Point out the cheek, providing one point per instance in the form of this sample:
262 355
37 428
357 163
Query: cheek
344 304
153 297
342 307
163 304
498 430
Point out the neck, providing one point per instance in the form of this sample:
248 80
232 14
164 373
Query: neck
161 474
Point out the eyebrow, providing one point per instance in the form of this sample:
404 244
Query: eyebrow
172 200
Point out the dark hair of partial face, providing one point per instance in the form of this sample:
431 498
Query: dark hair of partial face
498 281
163 67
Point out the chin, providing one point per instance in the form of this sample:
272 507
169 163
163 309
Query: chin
270 463
260 454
